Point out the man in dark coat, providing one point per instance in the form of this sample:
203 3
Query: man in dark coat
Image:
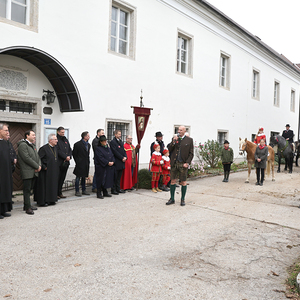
47 182
182 149
5 173
30 165
64 155
13 157
81 154
289 135
95 144
105 170
159 140
117 148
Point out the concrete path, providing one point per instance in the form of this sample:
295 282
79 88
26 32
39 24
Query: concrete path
231 241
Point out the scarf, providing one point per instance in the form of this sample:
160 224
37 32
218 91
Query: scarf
261 147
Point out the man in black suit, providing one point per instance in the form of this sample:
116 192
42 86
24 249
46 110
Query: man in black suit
117 148
159 140
81 154
289 135
95 144
64 154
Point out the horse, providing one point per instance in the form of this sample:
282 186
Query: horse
250 148
297 145
285 150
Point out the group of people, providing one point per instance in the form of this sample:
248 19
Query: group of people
171 163
44 170
260 155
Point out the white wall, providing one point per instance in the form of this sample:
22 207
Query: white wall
110 84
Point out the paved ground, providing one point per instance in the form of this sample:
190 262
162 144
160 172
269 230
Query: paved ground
231 241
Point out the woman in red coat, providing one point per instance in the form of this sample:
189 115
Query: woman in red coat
260 135
156 169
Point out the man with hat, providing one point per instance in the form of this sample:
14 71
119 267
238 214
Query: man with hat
289 135
159 140
104 166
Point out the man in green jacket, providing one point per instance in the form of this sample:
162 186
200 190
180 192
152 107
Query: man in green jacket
30 165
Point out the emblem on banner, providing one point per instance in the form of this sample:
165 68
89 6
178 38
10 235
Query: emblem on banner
141 123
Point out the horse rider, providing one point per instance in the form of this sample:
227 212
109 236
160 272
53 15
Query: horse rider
289 135
260 135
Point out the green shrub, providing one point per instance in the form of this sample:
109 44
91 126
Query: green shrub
209 152
144 179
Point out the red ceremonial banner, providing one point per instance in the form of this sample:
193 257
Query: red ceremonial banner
141 120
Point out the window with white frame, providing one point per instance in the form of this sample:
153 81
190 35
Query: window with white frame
184 53
292 106
23 13
222 136
112 126
276 93
122 29
255 85
176 127
224 70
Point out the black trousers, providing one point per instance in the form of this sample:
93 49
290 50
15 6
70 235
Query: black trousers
226 167
118 175
260 174
63 169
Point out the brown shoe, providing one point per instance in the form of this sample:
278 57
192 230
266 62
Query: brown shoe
62 196
29 211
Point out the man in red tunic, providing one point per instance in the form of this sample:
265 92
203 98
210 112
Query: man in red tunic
129 176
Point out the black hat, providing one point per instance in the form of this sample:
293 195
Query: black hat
226 142
102 138
158 134
287 125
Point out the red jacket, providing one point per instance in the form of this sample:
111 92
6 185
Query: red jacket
258 138
166 166
155 162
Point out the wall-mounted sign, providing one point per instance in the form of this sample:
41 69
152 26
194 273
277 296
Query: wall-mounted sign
47 121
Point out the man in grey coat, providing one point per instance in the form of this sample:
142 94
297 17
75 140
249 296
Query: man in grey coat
30 165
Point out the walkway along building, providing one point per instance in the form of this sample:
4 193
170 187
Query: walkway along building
195 65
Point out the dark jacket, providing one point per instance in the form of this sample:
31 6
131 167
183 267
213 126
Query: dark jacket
81 156
288 134
117 148
63 149
186 146
104 172
263 155
28 159
95 143
161 144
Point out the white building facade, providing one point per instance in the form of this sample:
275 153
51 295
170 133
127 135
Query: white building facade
196 67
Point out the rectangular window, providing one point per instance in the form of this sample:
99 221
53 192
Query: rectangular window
253 135
255 85
292 106
224 70
112 126
273 133
222 136
15 10
188 129
184 53
276 93
20 13
122 29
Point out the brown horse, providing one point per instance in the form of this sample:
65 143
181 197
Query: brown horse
250 148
